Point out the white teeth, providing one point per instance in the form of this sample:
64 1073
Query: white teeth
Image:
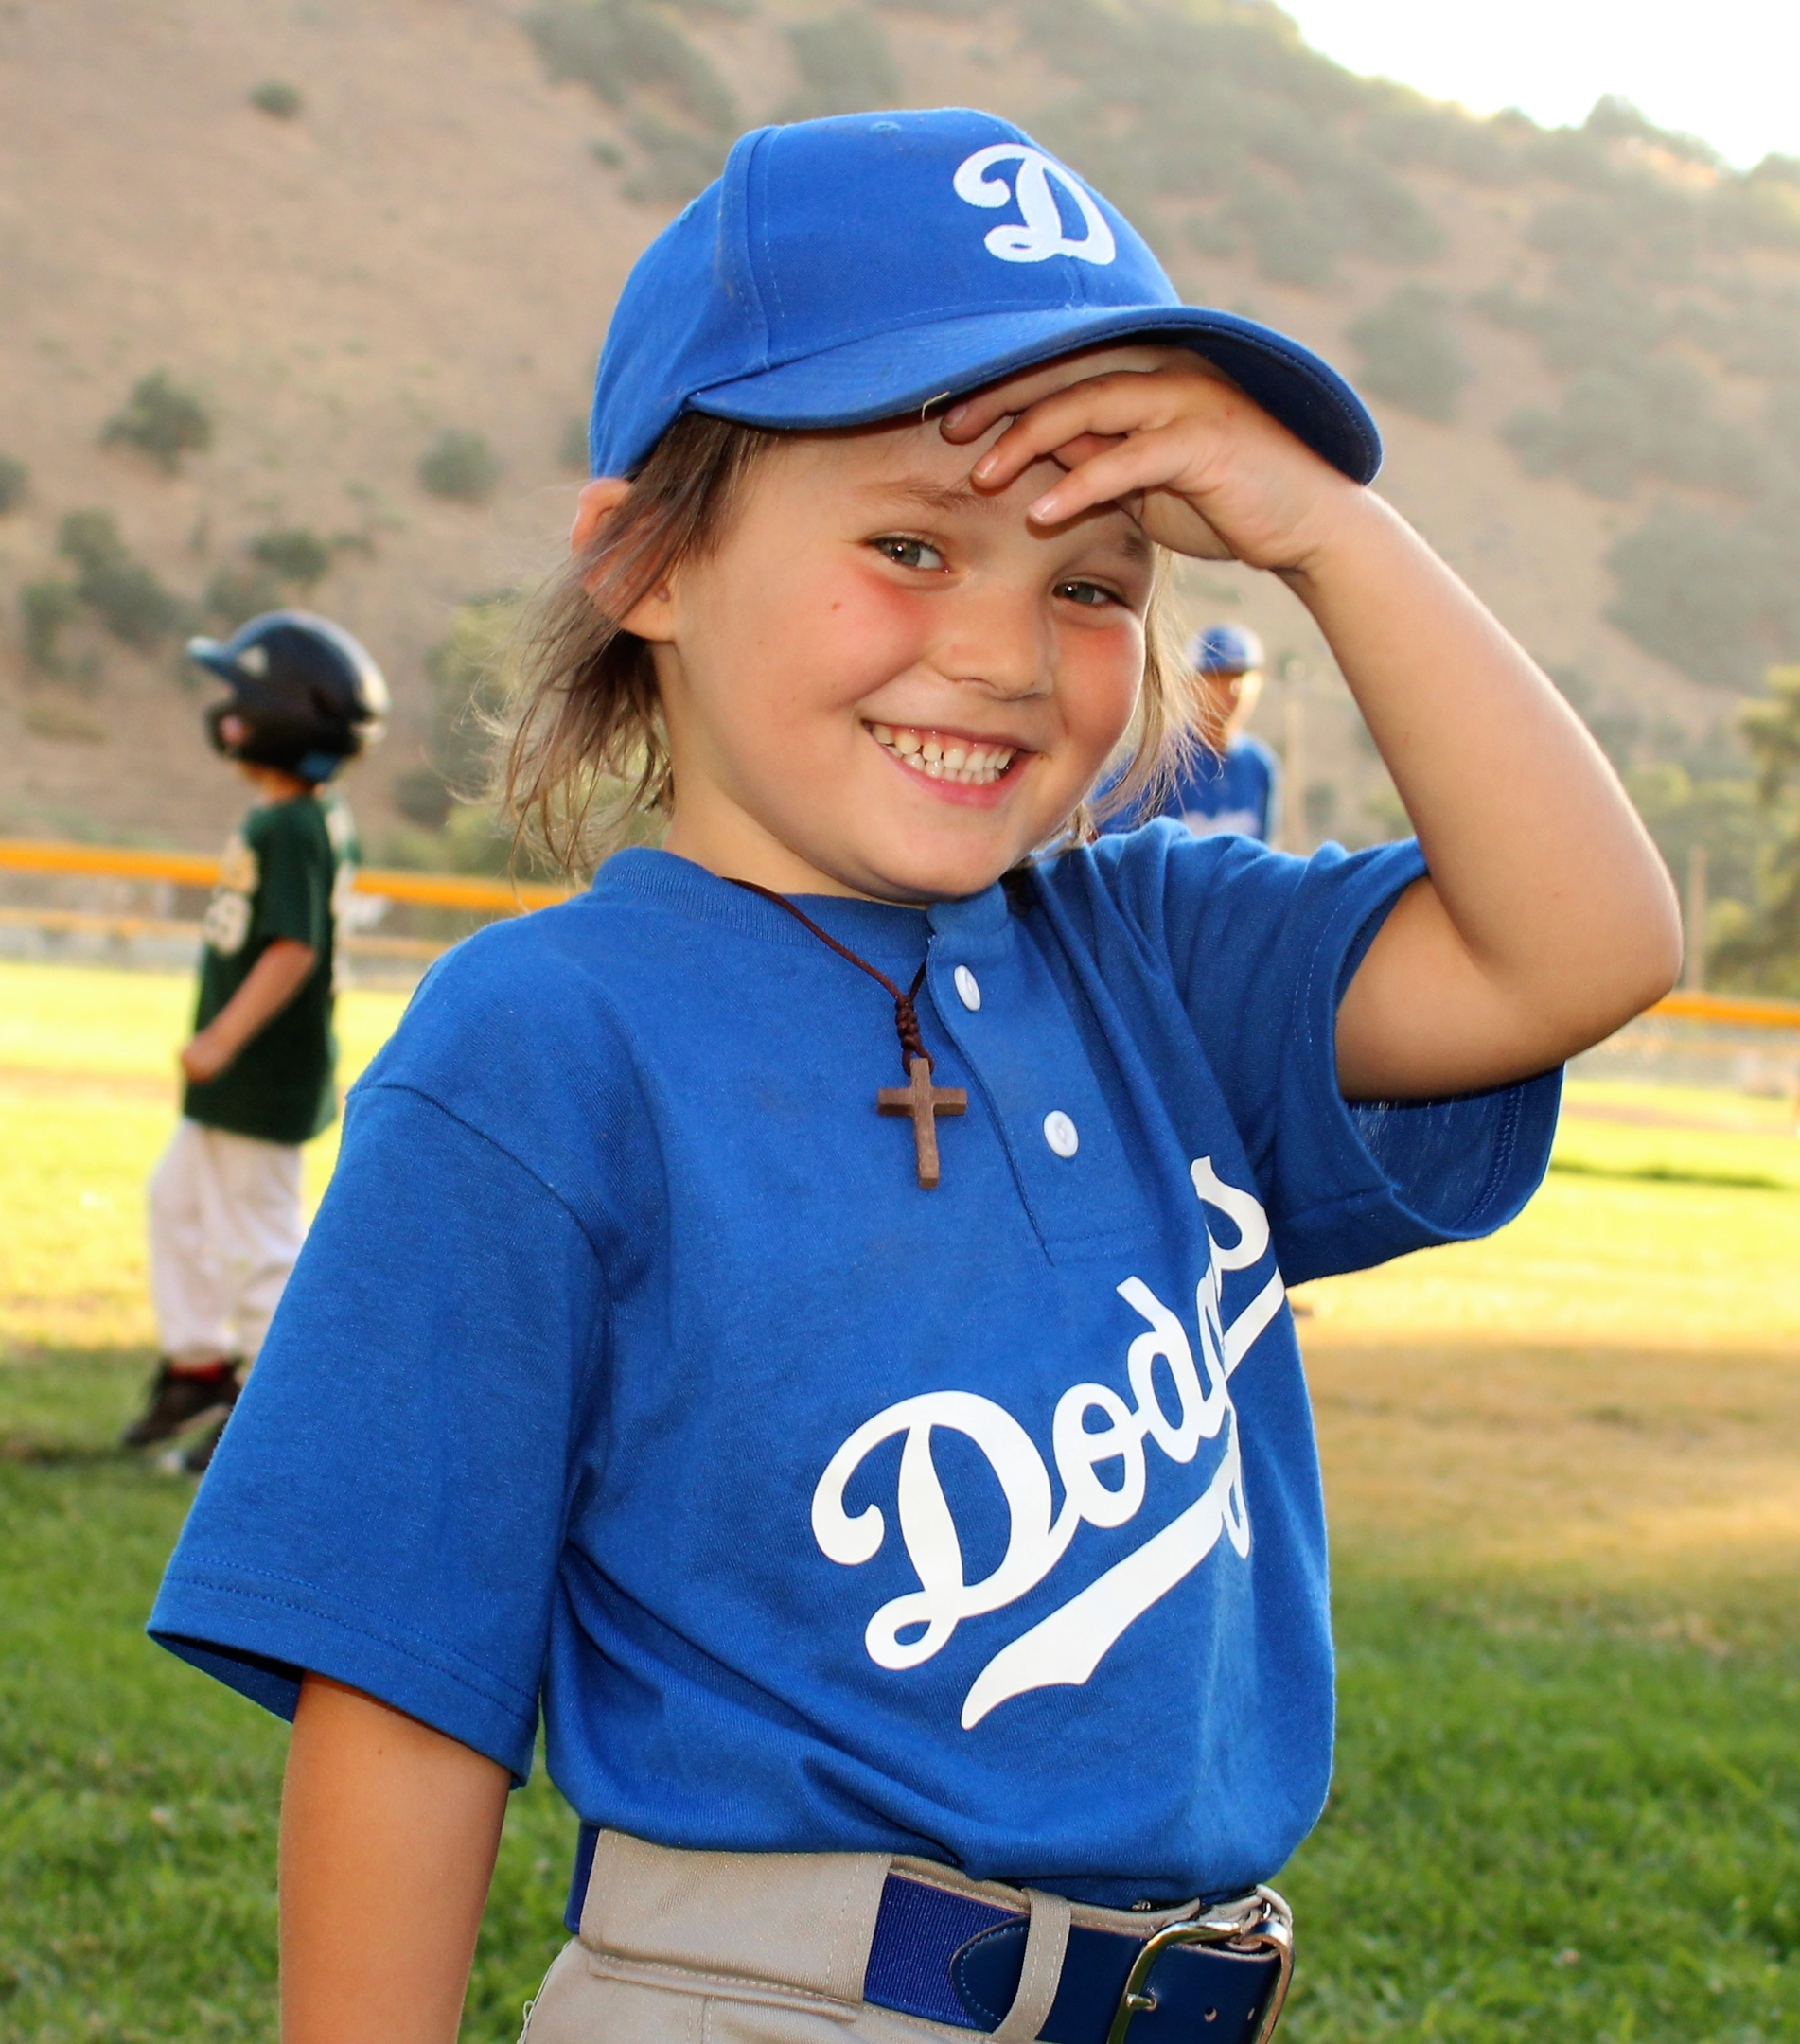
945 759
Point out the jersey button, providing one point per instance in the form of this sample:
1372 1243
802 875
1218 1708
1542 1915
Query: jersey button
968 989
1061 1134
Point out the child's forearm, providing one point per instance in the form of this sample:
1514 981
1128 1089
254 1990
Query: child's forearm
1548 919
270 983
388 1836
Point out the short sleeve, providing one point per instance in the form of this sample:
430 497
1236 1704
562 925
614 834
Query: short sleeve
1263 945
386 1506
293 885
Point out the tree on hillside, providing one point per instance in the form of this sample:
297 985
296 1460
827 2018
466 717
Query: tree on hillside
161 420
1408 352
1764 950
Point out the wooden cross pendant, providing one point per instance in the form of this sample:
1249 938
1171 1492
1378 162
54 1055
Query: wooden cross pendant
924 1102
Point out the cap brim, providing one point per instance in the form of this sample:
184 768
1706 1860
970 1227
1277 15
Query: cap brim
887 375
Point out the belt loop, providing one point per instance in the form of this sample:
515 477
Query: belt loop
1046 1941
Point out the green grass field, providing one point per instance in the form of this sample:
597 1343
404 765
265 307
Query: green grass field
1564 1472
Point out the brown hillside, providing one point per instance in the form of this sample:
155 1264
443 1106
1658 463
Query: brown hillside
432 242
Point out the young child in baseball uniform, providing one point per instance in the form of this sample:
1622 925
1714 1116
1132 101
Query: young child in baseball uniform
814 1306
1231 781
261 1069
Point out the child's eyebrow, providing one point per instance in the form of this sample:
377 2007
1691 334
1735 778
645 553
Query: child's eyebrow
949 498
929 496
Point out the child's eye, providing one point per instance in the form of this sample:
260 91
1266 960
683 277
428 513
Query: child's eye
905 552
1088 594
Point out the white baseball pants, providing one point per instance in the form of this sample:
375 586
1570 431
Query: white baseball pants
224 1229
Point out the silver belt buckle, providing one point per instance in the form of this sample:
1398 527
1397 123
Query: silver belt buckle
1259 1922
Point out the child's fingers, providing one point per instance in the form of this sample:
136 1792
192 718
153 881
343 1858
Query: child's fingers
1134 474
972 416
1122 469
1083 447
1135 403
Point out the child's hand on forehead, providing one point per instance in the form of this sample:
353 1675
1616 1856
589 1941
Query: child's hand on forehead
1158 431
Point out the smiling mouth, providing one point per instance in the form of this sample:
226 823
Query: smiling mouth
941 756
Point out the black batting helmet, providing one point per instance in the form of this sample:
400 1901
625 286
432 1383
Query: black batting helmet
306 694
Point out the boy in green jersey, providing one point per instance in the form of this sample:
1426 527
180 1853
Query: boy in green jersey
225 1220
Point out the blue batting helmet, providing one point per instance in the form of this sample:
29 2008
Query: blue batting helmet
1226 649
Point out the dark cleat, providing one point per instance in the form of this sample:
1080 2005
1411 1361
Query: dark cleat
197 1459
178 1398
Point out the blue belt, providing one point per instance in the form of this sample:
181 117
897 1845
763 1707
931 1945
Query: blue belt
1217 1978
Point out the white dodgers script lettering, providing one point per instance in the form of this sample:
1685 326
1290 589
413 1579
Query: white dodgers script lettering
1041 234
1097 1439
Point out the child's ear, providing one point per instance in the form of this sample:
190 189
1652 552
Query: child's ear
599 499
596 503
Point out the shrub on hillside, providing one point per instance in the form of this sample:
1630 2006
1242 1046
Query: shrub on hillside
1588 320
1754 212
1376 214
675 164
44 609
1614 427
1712 599
1408 353
1612 113
1763 951
421 796
292 553
277 98
126 595
573 450
1423 131
617 47
1681 812
844 65
1228 106
238 592
15 480
947 10
461 467
468 680
162 420
1290 243
1571 156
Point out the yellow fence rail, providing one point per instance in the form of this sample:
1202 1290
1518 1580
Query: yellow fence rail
193 869
505 897
1740 1011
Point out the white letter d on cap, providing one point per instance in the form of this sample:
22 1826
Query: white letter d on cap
1041 234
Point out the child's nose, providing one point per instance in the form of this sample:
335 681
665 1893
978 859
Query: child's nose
998 640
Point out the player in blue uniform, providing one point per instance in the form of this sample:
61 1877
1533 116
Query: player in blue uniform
813 1309
1233 782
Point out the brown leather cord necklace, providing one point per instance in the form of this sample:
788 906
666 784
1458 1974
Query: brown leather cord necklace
918 1098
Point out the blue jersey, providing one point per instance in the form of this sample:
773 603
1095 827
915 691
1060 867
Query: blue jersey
1239 793
630 1371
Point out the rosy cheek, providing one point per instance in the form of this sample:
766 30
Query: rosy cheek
872 628
1101 673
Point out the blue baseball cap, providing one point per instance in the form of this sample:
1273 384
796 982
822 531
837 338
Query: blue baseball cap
845 271
1226 649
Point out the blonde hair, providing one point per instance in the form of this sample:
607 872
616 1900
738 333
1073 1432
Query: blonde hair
587 763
